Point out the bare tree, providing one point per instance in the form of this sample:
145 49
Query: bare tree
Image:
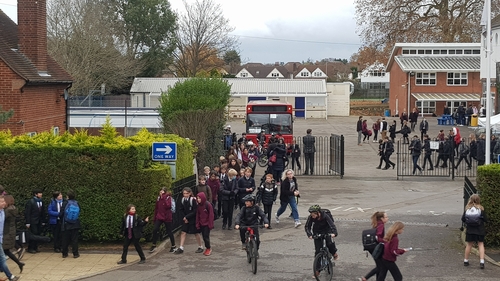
203 35
381 23
81 41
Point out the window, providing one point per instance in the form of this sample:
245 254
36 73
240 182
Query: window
476 52
428 106
467 52
451 52
454 105
458 52
304 74
243 74
406 52
270 123
275 74
424 78
413 52
444 52
377 73
457 78
318 74
420 52
56 131
31 134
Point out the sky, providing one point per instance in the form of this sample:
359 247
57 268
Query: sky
272 31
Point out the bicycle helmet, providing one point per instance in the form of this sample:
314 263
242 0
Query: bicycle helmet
249 197
314 208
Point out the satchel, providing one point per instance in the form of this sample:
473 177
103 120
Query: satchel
272 159
378 251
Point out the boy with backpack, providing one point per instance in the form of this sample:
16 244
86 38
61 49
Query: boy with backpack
267 193
249 217
70 216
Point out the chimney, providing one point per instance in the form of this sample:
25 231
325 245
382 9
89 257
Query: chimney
32 31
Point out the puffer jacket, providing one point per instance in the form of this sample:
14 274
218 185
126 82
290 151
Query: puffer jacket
267 193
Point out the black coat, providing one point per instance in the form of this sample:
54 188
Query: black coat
32 213
286 190
9 228
413 117
67 225
309 143
267 193
188 209
295 150
481 149
473 149
243 184
250 216
138 225
280 151
229 189
416 147
392 131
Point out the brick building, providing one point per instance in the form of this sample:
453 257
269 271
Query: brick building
429 75
31 82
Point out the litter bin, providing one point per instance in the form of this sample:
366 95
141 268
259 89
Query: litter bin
388 113
473 120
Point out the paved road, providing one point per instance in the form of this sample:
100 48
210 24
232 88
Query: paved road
430 207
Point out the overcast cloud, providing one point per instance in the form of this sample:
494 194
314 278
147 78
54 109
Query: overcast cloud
281 30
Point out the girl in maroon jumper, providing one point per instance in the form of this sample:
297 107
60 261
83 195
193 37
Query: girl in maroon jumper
163 215
391 252
214 183
205 221
379 219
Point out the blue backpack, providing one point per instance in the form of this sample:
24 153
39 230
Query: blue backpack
72 212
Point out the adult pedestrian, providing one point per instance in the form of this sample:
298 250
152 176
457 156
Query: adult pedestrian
3 263
405 131
388 150
288 195
461 115
481 150
392 130
424 128
463 152
295 149
310 148
413 119
359 129
446 110
34 213
381 147
71 225
376 128
474 218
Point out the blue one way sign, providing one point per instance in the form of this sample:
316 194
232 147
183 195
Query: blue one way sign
164 151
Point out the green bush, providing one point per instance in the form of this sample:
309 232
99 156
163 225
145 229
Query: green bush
488 179
107 173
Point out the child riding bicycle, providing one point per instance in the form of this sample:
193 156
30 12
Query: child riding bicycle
249 217
320 221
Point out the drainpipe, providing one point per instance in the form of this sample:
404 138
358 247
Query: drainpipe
409 93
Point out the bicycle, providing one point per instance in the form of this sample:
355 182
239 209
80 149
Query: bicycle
323 264
251 247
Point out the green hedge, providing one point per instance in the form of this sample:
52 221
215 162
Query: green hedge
107 173
488 185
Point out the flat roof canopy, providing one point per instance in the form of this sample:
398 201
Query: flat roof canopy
447 96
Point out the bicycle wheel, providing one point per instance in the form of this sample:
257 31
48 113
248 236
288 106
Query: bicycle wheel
322 265
249 251
262 161
254 257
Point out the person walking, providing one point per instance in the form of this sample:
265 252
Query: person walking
403 118
376 128
379 219
381 147
383 128
132 225
309 149
359 129
463 152
413 119
9 230
391 252
388 150
474 218
416 150
164 209
229 188
289 190
3 261
428 153
294 147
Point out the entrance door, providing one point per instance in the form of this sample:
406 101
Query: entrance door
300 107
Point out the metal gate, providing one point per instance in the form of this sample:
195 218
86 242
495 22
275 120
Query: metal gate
445 163
328 158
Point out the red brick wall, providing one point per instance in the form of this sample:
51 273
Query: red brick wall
32 31
36 108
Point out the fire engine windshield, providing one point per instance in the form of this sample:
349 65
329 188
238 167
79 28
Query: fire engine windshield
269 123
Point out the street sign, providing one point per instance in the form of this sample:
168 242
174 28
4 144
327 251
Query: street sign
164 151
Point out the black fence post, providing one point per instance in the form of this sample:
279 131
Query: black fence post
342 151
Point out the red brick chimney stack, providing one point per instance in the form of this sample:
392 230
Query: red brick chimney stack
32 31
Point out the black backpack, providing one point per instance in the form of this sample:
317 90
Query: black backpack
369 239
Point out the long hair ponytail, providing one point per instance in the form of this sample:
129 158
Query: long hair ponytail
392 230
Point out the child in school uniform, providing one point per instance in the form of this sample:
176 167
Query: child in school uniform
187 210
132 225
267 193
204 220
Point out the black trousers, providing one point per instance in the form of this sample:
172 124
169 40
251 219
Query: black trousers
227 212
375 271
137 246
56 233
382 159
463 157
318 244
388 161
295 159
34 229
427 157
168 230
70 236
309 159
13 257
205 233
219 207
389 266
375 133
268 210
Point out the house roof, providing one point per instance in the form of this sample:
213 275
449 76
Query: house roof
20 64
447 96
241 87
262 71
439 64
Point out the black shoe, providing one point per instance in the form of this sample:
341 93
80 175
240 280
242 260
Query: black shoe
481 265
385 168
466 263
269 227
229 228
152 249
172 249
430 169
393 165
57 250
32 251
142 261
223 227
178 251
312 173
21 266
199 250
378 167
76 256
122 262
65 256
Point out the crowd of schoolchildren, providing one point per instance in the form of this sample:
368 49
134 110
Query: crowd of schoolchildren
63 220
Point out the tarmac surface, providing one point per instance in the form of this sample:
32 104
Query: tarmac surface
429 207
